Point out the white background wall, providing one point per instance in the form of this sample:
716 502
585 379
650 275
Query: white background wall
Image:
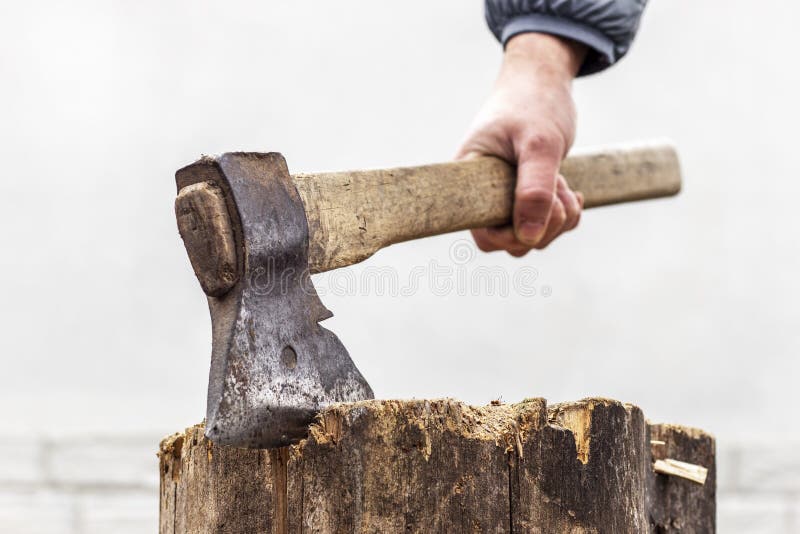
687 307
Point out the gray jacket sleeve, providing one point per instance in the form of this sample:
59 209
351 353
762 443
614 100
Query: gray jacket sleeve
607 27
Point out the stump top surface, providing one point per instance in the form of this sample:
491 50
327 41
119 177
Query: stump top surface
493 422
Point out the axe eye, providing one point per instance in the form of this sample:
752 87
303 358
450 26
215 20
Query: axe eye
289 357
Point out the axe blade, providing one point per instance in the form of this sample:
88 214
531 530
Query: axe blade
273 367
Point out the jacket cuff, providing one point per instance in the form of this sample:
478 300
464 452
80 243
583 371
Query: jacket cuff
601 49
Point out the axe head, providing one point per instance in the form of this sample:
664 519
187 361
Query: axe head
273 367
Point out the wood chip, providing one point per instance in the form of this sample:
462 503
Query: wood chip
695 473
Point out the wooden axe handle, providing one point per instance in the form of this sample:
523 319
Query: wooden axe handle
352 215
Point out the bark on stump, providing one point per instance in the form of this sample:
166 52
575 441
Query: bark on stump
443 466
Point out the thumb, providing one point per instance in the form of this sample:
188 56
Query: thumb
537 171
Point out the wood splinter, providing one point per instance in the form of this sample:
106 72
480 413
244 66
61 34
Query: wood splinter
668 466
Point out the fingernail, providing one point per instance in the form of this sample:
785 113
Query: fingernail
530 232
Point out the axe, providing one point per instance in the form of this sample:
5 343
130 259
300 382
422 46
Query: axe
254 234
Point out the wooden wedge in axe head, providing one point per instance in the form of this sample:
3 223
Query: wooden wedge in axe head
254 234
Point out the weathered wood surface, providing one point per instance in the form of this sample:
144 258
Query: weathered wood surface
351 215
443 466
683 507
207 231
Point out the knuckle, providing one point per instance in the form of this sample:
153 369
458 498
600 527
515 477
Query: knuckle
542 141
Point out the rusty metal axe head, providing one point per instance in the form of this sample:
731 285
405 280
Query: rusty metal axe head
272 365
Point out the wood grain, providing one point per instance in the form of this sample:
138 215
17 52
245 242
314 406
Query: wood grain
443 466
351 215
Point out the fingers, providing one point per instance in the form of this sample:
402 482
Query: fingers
544 205
572 204
565 214
537 170
499 238
558 218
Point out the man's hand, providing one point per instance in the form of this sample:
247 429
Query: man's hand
529 120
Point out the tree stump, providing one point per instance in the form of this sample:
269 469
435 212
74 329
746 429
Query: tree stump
442 466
